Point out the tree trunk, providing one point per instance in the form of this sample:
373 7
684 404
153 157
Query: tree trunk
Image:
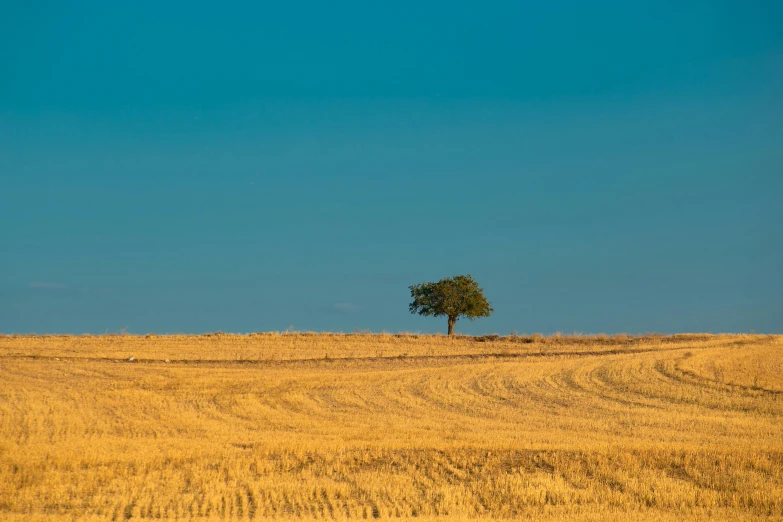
452 320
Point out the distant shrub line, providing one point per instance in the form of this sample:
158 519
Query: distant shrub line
553 339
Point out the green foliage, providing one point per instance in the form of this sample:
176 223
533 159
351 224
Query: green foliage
454 297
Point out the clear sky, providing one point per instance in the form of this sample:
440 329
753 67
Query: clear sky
200 166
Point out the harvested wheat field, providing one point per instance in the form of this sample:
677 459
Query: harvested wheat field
326 426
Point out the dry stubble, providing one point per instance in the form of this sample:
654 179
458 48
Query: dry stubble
327 426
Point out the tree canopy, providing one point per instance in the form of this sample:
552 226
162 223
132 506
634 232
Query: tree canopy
454 297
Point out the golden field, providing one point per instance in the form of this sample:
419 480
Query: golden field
332 426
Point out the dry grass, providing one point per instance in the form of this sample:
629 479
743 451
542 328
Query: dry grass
317 426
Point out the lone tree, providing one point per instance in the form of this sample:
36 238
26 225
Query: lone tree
451 296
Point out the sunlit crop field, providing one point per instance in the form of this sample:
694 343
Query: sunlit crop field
322 426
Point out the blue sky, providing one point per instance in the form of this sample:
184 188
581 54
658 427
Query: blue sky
191 167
